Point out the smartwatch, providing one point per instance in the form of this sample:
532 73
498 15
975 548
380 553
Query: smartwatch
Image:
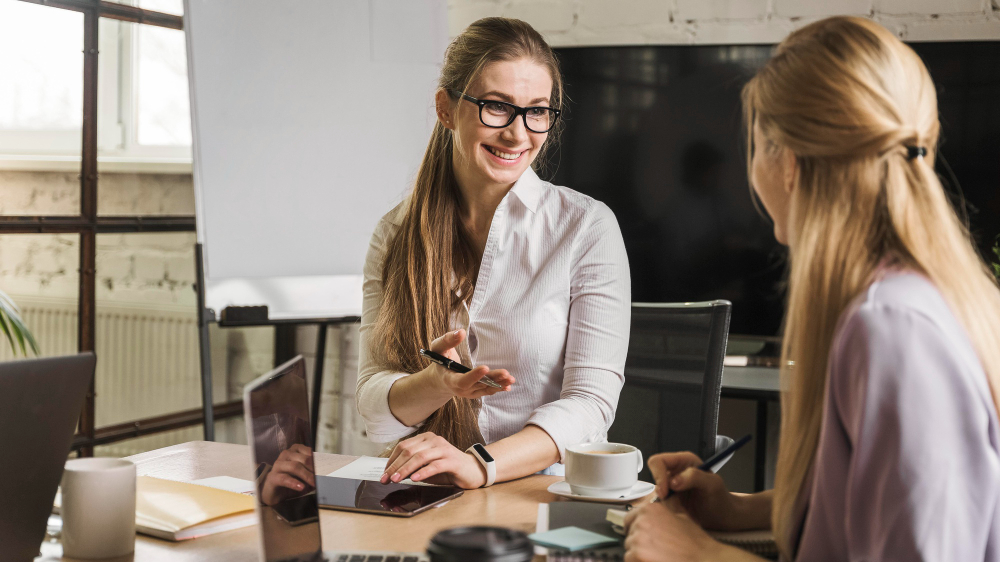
485 459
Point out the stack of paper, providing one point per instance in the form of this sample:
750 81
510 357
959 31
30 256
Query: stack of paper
179 510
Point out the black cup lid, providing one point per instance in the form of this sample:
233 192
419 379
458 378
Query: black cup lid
480 544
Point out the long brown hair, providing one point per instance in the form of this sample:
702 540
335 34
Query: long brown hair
848 98
420 294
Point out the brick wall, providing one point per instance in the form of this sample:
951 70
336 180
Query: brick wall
570 23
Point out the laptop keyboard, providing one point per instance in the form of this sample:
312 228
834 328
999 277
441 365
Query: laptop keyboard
372 558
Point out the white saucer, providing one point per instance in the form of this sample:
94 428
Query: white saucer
639 490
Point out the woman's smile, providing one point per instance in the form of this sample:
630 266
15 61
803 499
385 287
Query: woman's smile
503 157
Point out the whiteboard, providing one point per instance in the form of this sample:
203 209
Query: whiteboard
310 118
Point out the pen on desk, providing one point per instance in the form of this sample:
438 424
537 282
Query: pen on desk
454 366
717 458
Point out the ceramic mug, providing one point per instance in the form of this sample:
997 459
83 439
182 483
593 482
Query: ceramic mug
602 470
98 508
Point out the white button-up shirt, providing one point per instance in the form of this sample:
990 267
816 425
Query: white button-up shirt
552 305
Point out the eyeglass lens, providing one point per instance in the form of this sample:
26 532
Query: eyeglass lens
536 119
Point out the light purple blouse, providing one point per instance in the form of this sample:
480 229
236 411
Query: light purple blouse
908 466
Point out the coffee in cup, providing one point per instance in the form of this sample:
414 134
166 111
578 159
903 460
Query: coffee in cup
602 470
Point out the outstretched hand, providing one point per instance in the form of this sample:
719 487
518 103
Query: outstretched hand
465 385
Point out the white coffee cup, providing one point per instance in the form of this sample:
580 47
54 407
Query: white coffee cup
98 508
602 470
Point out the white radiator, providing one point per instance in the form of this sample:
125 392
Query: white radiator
147 362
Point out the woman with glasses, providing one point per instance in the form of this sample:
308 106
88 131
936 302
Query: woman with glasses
524 281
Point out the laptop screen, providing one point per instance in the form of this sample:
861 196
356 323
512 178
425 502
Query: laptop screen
278 430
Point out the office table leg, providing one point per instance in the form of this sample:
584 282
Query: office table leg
318 381
760 453
204 349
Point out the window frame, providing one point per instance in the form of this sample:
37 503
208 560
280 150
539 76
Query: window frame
88 224
118 146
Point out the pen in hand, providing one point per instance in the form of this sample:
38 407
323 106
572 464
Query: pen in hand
455 366
714 460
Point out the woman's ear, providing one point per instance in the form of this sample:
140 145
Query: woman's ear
445 109
790 166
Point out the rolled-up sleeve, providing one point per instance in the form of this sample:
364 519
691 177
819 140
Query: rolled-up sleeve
372 396
597 338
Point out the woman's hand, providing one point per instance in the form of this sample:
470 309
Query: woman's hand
661 531
291 476
703 495
429 457
466 385
414 398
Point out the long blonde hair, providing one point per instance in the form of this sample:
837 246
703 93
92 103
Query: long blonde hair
848 99
419 292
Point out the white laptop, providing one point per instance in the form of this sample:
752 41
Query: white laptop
277 419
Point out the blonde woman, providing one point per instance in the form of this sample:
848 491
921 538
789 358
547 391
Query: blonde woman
889 436
524 281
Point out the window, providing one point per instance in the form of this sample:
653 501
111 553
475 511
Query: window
136 100
41 95
144 114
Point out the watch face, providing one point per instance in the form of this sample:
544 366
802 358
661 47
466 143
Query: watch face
483 454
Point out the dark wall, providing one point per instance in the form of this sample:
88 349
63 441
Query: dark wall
656 133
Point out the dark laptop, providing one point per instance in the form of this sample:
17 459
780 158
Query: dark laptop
277 419
40 403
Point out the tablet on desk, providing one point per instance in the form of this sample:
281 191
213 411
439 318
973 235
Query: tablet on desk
400 500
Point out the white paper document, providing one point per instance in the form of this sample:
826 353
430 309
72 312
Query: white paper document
368 468
227 483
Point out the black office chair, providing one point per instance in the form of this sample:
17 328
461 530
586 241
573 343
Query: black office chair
673 377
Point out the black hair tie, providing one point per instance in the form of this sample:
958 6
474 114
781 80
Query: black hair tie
915 151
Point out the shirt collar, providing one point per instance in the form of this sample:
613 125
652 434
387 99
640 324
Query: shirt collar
528 189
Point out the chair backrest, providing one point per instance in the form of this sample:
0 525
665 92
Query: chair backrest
673 377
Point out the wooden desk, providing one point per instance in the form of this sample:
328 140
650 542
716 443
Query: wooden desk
511 504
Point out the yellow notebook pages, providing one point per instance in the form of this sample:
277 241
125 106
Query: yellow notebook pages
179 510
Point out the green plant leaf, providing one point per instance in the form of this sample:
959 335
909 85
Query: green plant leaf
6 329
6 303
18 335
24 335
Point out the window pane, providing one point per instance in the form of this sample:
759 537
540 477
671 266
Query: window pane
223 430
39 193
163 112
42 67
175 7
41 93
147 335
134 194
39 272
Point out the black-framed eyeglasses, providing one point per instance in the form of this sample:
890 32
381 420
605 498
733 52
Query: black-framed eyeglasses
499 114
